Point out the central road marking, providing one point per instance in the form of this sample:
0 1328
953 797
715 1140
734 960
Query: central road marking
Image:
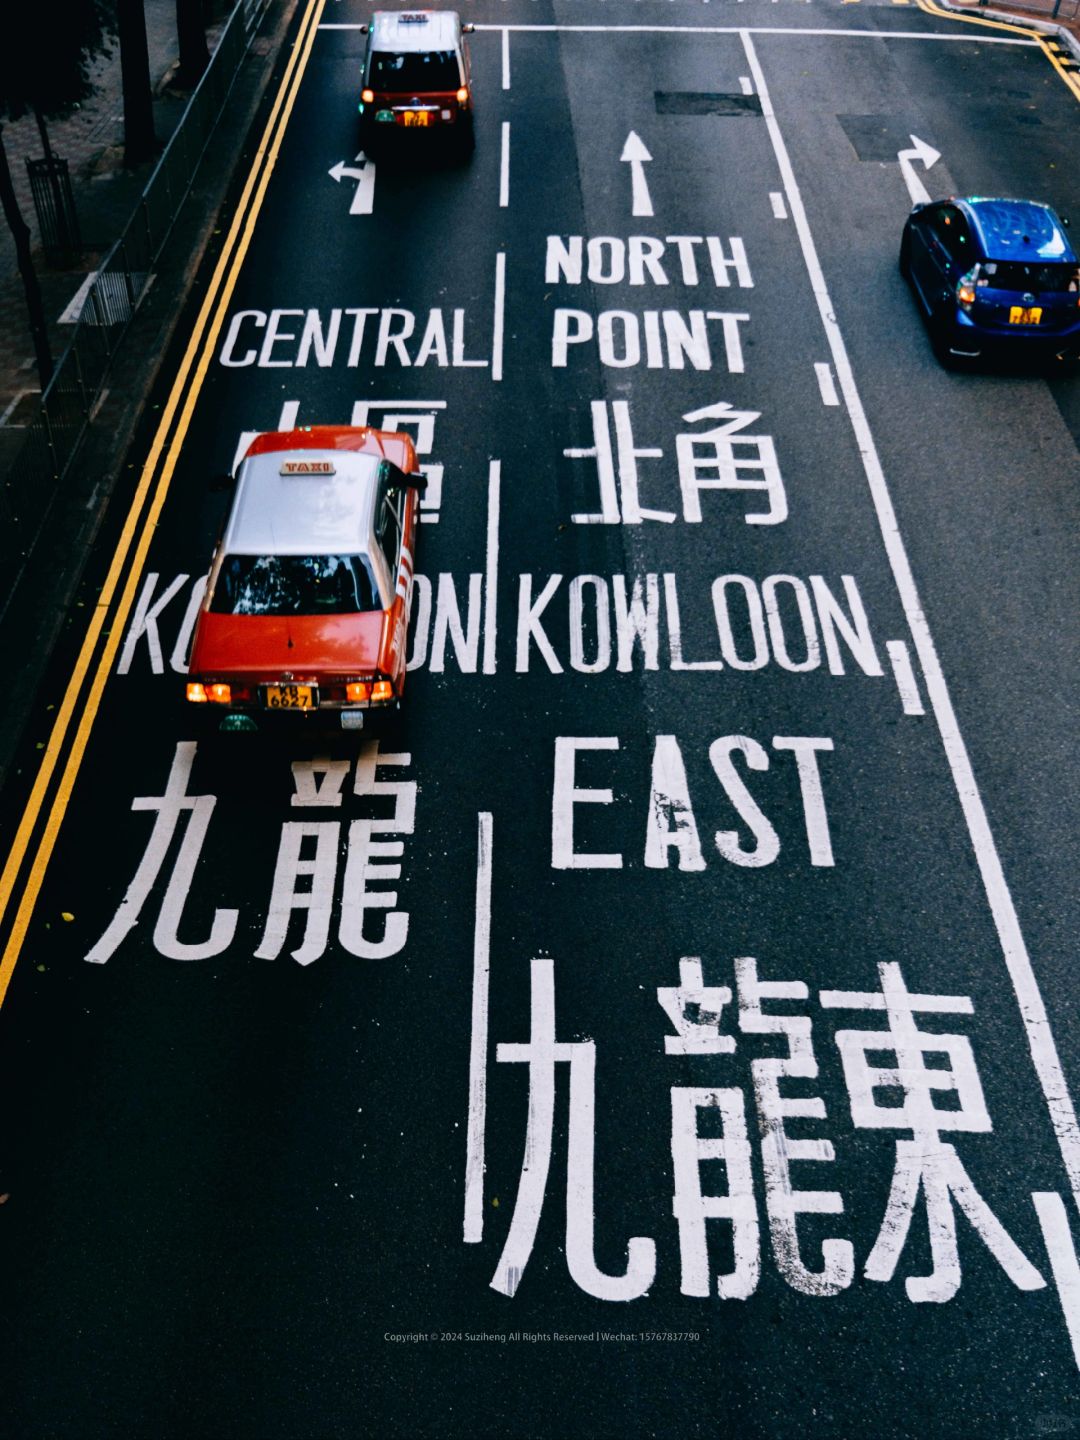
1032 1008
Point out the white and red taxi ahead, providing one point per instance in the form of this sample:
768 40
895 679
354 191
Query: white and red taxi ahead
307 603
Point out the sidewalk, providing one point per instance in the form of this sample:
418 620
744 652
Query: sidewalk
48 602
91 141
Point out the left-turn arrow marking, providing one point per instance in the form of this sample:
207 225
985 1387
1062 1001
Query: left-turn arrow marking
363 201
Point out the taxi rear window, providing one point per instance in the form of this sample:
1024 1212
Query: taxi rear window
295 585
414 71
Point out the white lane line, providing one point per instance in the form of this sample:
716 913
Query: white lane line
747 88
779 209
977 39
1054 1220
497 328
505 58
825 384
474 1142
1040 1038
491 568
504 166
904 674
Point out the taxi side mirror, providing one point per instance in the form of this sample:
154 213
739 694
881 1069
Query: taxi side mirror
417 481
467 29
363 29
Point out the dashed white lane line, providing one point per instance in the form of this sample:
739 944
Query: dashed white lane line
825 384
747 88
904 675
1040 1038
474 1142
779 209
491 566
500 305
505 58
504 167
1054 1220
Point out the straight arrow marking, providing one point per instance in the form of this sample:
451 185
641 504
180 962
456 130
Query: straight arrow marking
636 155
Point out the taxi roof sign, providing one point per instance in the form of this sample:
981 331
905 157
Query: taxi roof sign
307 467
413 18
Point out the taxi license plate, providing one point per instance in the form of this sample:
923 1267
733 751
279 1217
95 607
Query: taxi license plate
416 117
1019 315
289 697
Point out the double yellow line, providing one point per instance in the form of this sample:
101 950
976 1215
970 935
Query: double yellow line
80 706
1048 44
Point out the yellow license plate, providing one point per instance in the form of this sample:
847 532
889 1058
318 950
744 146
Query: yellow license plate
416 117
1018 315
290 697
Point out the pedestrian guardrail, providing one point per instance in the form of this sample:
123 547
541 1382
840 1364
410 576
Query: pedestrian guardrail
57 429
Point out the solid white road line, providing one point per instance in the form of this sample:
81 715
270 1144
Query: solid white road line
1032 1009
1054 1219
497 327
504 166
474 1143
904 675
505 58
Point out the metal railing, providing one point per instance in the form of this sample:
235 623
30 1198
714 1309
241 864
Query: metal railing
56 431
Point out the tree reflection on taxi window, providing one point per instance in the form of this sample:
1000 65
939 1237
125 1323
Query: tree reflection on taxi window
294 585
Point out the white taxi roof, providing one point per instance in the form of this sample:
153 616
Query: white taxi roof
417 30
303 514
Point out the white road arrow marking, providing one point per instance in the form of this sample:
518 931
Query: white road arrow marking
634 152
929 156
363 201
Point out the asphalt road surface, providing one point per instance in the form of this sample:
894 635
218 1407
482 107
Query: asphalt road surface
670 1031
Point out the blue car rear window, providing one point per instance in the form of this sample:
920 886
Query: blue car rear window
1010 275
1020 232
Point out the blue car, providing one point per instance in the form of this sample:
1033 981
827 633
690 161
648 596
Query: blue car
994 278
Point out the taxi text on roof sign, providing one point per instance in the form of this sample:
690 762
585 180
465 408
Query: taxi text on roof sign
307 467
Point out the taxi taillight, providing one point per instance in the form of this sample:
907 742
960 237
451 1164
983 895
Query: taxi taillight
381 692
358 690
463 95
219 694
196 693
367 96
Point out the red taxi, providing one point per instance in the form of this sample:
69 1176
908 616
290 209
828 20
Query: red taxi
307 603
417 75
